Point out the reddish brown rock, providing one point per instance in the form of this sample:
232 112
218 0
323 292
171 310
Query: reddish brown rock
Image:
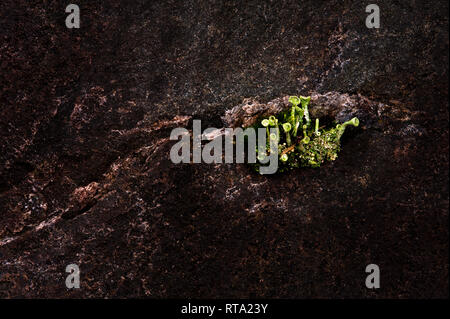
85 174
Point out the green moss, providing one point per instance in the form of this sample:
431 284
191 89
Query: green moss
303 144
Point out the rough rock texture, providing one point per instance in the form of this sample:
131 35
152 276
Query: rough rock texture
333 105
85 175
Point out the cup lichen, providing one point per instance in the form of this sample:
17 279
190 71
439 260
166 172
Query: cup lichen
312 146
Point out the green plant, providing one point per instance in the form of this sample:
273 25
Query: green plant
310 147
287 127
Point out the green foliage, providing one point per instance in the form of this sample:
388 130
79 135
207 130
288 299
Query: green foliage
303 144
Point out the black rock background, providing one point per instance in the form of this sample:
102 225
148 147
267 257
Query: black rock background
85 175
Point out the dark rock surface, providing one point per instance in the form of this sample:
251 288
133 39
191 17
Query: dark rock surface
85 174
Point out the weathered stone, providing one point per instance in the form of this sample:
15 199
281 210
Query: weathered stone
85 174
